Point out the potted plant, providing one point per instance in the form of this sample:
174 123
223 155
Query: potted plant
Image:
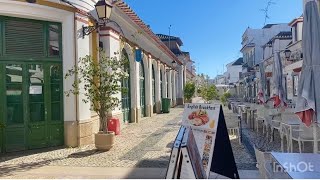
189 91
100 79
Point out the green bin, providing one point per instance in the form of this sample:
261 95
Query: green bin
166 105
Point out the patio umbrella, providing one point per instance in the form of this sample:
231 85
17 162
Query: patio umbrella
308 100
278 95
262 90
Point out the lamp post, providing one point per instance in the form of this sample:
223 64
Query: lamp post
103 9
287 54
174 65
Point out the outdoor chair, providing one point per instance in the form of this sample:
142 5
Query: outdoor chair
285 117
304 134
264 164
233 125
260 117
275 121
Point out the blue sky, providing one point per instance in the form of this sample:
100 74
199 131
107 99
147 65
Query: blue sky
211 30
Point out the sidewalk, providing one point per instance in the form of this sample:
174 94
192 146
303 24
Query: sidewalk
62 172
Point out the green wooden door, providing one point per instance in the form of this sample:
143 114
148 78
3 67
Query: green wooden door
125 95
31 109
37 101
2 106
142 90
14 138
55 125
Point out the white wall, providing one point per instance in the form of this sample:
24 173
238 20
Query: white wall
260 37
233 73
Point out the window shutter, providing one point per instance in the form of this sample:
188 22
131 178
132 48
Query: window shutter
24 38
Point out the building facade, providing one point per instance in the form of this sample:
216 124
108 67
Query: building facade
252 50
293 66
234 70
43 40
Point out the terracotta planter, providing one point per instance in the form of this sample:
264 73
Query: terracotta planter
104 141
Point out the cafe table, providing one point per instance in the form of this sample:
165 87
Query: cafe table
299 165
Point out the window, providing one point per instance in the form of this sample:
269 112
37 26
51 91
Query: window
54 40
285 87
268 88
295 80
26 39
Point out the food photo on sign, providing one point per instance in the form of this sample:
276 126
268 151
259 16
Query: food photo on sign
203 116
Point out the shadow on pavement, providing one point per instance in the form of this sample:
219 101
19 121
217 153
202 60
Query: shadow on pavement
150 169
12 155
13 169
83 154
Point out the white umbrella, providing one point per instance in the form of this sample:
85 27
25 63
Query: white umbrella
262 90
308 100
278 96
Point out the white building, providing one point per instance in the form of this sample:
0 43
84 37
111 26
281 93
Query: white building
293 66
47 37
277 44
234 70
252 50
254 39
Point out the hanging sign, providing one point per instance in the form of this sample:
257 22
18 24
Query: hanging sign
138 55
35 90
203 120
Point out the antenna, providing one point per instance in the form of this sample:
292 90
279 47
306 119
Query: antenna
170 37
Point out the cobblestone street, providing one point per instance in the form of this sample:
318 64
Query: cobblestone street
143 145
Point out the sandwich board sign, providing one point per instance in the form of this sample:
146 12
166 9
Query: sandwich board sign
202 145
185 161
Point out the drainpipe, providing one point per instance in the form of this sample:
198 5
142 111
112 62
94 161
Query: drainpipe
75 78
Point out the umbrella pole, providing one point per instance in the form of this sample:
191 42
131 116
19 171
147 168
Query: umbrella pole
315 138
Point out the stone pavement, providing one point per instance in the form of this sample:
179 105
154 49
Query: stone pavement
147 144
141 151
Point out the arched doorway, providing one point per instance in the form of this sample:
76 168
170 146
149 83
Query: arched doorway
161 89
125 96
142 90
153 91
172 87
167 95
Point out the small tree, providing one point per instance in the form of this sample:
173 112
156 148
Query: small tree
189 90
209 92
101 79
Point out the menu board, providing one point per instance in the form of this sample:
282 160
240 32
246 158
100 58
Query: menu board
203 120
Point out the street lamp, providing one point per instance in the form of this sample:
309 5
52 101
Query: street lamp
287 54
103 9
174 65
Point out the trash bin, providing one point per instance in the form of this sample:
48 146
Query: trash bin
166 105
114 125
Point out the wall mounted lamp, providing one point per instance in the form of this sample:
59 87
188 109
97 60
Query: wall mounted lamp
287 54
103 9
174 65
